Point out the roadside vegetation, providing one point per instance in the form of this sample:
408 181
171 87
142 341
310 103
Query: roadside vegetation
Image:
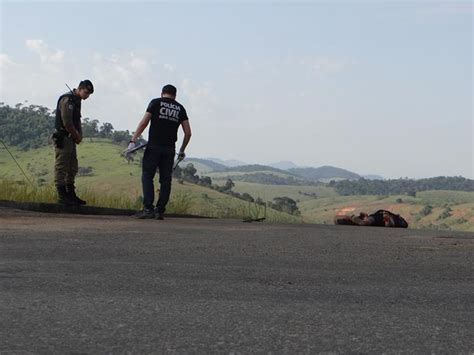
208 188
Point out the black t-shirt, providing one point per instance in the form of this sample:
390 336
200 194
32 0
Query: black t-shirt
167 116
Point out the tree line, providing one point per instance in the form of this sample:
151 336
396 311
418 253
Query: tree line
30 126
401 186
271 179
26 127
92 128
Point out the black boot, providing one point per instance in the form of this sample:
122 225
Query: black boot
71 191
63 197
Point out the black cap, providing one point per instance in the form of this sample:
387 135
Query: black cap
87 84
169 89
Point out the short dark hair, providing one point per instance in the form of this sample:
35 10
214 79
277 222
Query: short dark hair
169 89
86 84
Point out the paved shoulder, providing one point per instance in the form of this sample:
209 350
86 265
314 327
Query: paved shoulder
115 284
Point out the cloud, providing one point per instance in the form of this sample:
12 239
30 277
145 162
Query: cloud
127 80
323 65
124 82
6 64
295 65
111 71
6 61
138 64
169 67
47 55
448 8
200 97
249 113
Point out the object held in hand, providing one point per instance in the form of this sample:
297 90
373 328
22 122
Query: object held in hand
133 147
181 156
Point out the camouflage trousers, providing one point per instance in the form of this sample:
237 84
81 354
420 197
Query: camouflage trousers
65 166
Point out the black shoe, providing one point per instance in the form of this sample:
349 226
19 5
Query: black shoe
71 191
145 214
159 215
64 198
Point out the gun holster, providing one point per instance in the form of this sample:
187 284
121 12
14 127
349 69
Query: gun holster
58 139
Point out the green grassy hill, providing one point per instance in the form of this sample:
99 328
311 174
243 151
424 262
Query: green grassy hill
112 177
269 192
204 166
324 173
267 175
116 183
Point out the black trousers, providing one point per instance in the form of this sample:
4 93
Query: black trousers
159 157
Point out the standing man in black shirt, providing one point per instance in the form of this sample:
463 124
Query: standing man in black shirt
165 115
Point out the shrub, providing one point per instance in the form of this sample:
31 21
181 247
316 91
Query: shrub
426 210
85 171
285 204
446 213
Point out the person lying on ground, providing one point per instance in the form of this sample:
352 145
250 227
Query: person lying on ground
381 218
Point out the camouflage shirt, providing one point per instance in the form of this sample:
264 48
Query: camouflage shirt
67 112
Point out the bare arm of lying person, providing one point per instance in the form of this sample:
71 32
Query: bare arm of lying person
363 220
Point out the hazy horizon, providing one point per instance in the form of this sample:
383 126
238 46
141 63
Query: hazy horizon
272 163
383 89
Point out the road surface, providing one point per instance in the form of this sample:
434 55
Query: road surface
88 284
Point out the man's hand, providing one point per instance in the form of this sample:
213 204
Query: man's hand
131 145
75 135
181 156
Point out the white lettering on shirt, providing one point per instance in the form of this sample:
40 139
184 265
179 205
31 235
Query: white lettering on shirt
169 111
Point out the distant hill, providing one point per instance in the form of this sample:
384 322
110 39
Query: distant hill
227 163
284 165
210 164
261 174
324 173
257 167
270 178
373 177
265 174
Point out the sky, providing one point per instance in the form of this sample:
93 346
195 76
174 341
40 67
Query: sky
373 87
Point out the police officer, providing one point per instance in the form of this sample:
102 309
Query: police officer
166 116
68 133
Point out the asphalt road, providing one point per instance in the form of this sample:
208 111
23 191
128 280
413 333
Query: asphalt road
78 284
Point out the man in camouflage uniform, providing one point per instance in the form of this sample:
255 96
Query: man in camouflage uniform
68 133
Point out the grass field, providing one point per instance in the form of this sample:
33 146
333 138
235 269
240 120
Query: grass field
328 203
116 183
269 192
461 216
